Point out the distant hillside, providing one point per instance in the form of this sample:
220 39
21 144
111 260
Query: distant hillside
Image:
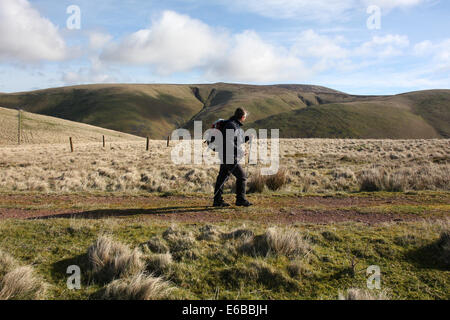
414 115
38 129
297 110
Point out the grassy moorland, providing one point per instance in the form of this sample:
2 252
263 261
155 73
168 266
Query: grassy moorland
230 260
155 110
140 227
39 129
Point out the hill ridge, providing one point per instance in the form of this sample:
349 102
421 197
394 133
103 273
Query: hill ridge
154 110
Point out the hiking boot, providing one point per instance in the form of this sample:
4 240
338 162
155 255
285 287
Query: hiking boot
220 203
243 203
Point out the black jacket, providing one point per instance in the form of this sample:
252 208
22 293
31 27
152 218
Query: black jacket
234 124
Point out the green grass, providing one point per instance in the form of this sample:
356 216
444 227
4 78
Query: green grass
298 111
405 252
351 120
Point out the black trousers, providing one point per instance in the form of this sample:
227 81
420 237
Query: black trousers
224 173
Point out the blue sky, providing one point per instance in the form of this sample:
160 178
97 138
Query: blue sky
256 41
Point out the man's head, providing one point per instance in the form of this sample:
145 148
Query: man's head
240 114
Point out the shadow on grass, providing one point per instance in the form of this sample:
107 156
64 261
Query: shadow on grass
430 256
105 213
59 271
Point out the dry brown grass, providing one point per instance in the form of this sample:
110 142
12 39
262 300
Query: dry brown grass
40 129
21 284
256 183
109 259
276 181
182 244
396 180
18 282
7 263
278 242
138 287
311 165
160 263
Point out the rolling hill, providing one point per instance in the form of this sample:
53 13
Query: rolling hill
39 129
154 110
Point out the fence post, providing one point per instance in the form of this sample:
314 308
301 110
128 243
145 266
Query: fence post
71 144
19 127
103 141
168 140
148 144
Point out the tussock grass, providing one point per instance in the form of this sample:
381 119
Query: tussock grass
21 284
297 267
239 234
276 181
222 271
322 165
156 245
181 243
209 232
18 282
138 287
7 263
278 242
397 180
160 263
109 259
256 183
363 294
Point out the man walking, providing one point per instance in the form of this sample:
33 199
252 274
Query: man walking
232 143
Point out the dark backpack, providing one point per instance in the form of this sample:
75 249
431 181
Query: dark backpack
219 125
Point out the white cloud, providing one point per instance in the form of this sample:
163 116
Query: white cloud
26 35
438 51
249 58
383 47
326 52
95 73
173 43
98 40
178 43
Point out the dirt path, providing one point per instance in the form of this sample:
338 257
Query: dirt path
368 209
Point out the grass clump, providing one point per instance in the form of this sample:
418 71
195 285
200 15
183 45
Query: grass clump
298 267
278 242
160 263
138 287
7 263
256 183
156 245
182 244
21 284
276 181
238 234
18 282
109 259
209 233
